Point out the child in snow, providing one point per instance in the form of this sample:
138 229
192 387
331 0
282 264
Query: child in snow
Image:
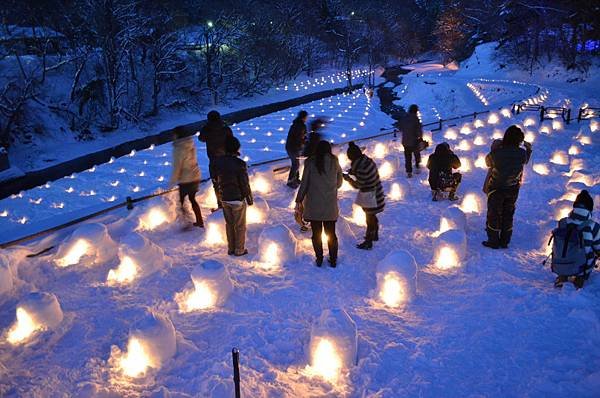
412 134
581 218
506 170
186 172
441 177
317 199
233 186
496 144
370 196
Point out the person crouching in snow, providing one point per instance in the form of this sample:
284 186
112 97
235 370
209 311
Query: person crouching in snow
569 258
441 177
231 174
186 172
317 199
370 195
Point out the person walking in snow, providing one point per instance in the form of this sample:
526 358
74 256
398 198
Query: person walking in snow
412 135
296 139
214 133
441 176
317 199
506 168
314 137
186 172
370 195
233 187
580 218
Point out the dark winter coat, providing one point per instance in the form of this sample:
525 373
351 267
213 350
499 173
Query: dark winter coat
231 175
311 147
296 137
506 167
214 134
319 192
443 160
412 131
367 179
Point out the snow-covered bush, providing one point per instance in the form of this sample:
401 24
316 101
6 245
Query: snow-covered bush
139 257
397 278
276 246
89 244
333 344
450 249
38 311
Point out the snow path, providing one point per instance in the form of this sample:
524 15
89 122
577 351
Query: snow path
498 328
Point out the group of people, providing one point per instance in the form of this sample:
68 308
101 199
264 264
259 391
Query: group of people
317 196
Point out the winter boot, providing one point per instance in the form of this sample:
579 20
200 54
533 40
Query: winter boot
332 262
579 281
319 261
559 281
452 196
409 175
505 238
493 241
366 245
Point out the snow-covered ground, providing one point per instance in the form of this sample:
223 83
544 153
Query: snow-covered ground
142 314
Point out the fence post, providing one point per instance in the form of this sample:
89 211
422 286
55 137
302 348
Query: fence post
129 203
568 115
542 114
579 115
235 353
440 124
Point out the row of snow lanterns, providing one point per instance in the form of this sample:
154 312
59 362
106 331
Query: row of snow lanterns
340 77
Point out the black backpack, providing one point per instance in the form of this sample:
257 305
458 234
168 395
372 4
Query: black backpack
568 250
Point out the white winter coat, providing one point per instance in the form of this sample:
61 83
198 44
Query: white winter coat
185 162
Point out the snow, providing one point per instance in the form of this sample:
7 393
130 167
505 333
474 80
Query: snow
276 245
450 250
397 278
38 311
495 327
90 244
212 278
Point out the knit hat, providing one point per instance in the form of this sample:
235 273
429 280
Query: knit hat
232 145
354 151
584 200
213 116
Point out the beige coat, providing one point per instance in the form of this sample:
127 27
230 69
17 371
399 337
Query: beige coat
319 192
185 162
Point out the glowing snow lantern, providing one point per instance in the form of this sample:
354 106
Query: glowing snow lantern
151 344
260 184
450 249
358 216
465 164
154 218
397 278
276 246
465 130
560 158
545 130
471 203
593 126
379 151
585 140
480 162
478 124
479 140
563 212
139 257
212 287
343 160
497 135
464 145
209 198
37 312
257 213
452 218
529 122
493 118
530 136
506 112
557 125
333 345
214 234
573 150
386 170
396 192
90 244
541 169
450 134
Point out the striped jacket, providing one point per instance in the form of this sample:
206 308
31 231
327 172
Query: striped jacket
590 230
367 179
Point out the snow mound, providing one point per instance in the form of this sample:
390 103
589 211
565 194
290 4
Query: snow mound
213 277
450 249
89 244
257 213
157 216
208 197
38 311
453 218
157 334
215 229
6 275
260 183
333 343
276 246
139 257
397 278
